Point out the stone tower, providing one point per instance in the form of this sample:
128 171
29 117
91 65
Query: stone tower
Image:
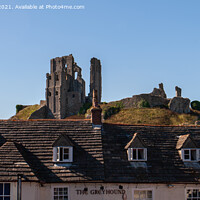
65 88
95 79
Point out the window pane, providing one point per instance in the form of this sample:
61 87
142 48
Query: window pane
61 154
1 188
149 194
55 191
186 154
193 154
189 195
66 153
6 198
7 189
140 154
194 193
134 154
66 150
60 191
1 198
186 157
136 194
142 194
65 191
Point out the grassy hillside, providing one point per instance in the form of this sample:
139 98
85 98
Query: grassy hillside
156 116
115 113
25 113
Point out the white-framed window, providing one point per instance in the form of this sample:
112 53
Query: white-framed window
142 194
137 154
193 194
63 154
4 191
190 154
60 193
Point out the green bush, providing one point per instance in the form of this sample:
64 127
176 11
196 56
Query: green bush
112 110
119 104
84 108
18 108
195 105
143 104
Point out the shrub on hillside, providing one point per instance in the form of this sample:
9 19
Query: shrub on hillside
84 108
195 105
112 110
18 108
143 104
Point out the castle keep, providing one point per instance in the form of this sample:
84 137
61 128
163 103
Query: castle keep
65 87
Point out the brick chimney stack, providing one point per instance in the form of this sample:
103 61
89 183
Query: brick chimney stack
96 110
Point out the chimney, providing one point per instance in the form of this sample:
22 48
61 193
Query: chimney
96 111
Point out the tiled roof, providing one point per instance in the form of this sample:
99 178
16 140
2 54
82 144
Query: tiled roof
135 142
185 141
34 141
163 164
26 147
63 140
12 162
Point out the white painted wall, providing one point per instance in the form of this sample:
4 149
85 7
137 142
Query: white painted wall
30 191
34 191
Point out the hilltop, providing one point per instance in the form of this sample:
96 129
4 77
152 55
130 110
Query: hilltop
114 112
152 108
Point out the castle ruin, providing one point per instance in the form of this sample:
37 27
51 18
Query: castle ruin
95 79
65 87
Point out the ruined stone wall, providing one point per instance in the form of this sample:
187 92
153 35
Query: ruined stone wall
65 93
158 98
95 79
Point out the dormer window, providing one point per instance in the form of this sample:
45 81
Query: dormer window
188 149
136 149
63 149
190 154
63 154
137 154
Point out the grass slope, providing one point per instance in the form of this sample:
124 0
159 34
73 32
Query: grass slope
154 116
25 113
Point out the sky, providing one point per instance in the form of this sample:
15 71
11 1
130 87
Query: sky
140 43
